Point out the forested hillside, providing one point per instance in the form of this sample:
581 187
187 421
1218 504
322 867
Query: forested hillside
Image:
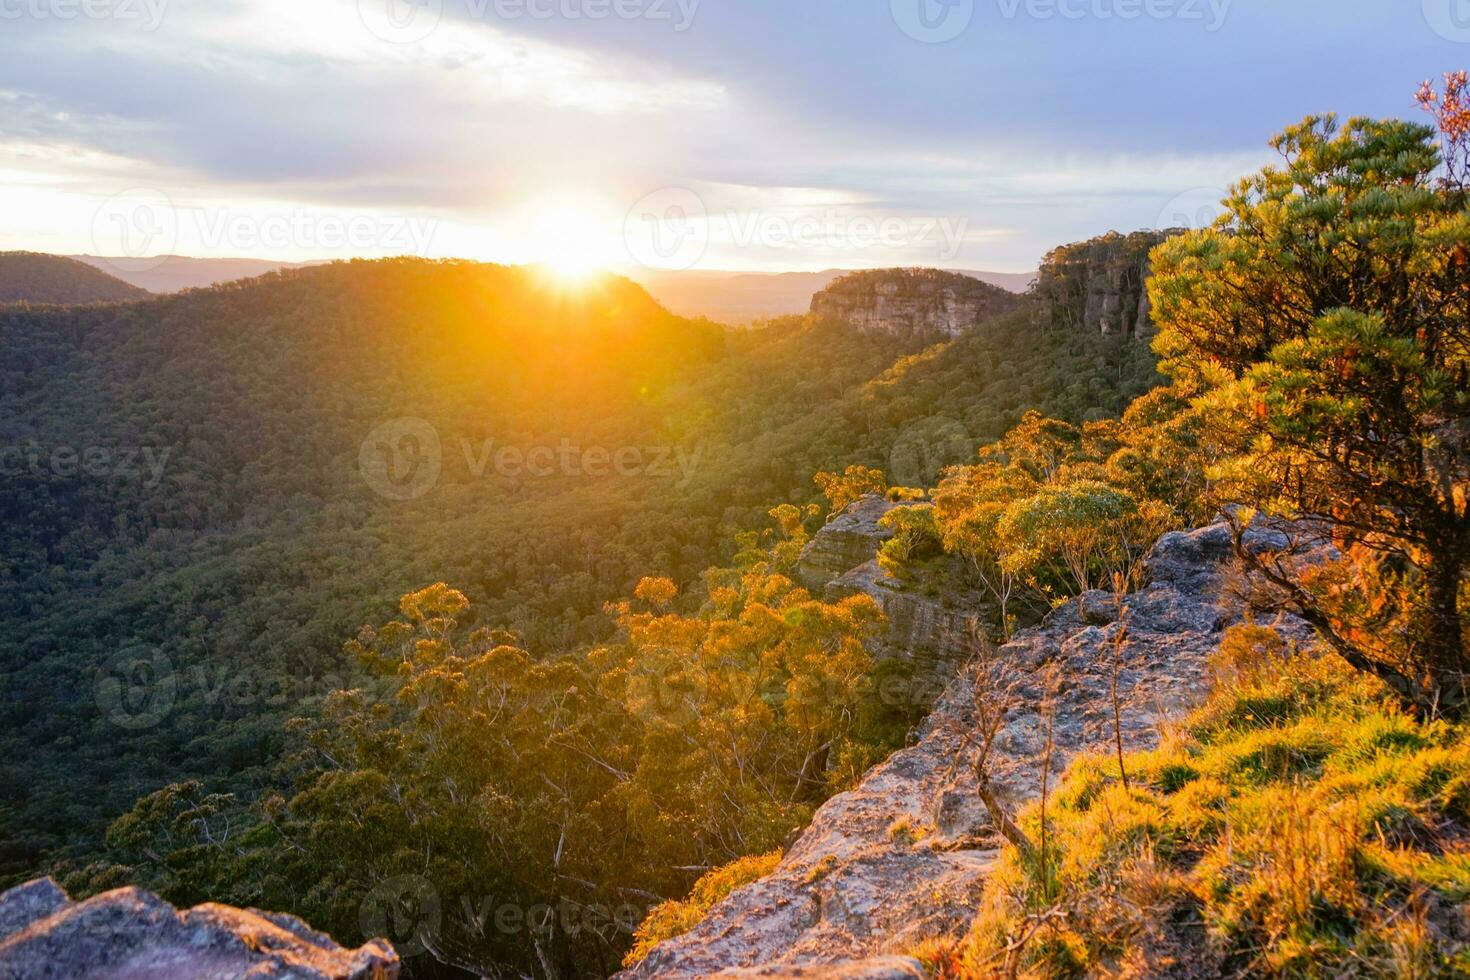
207 493
1238 750
31 277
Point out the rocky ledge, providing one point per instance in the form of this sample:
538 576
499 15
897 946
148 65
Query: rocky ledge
924 304
932 628
904 856
130 934
845 542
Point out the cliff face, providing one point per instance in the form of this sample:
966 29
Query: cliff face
904 856
924 304
932 628
130 933
848 540
1098 285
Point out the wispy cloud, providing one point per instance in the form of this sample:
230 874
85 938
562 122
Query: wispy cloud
815 116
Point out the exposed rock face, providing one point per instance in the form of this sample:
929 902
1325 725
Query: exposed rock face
840 560
932 630
849 539
129 934
924 304
1098 285
905 854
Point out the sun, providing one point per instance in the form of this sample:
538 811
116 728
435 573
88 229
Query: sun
571 269
571 240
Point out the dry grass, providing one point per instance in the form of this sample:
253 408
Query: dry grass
1298 826
675 918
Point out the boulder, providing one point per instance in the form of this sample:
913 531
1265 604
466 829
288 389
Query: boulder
931 627
129 934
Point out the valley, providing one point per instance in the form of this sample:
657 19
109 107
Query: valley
198 605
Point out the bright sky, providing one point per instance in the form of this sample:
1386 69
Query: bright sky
720 134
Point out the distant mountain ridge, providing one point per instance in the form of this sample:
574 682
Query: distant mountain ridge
736 298
172 273
35 277
742 297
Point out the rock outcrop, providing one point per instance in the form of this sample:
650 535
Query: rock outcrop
904 855
932 628
922 304
845 542
128 934
1098 285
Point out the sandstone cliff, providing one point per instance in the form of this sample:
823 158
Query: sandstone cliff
1098 285
923 304
845 542
904 855
932 627
129 934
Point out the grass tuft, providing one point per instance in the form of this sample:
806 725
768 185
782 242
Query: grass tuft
1298 826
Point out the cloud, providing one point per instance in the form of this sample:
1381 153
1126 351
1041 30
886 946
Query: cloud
1029 132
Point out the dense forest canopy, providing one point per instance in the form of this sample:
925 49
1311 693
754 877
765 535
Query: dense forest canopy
197 512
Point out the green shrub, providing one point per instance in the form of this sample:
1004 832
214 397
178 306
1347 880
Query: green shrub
677 917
